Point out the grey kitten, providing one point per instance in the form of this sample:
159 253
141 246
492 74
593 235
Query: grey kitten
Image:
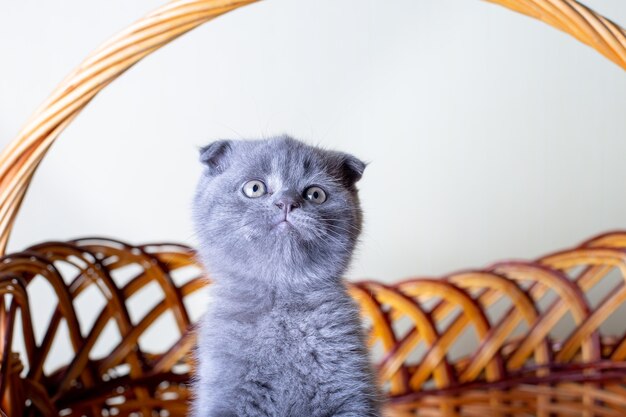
277 222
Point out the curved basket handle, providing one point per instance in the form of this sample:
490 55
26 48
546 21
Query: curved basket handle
20 158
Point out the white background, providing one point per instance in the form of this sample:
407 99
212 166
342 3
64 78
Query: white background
490 135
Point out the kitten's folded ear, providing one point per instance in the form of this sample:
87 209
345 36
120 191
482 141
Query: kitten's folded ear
216 156
351 169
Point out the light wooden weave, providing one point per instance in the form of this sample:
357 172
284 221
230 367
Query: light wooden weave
518 338
20 159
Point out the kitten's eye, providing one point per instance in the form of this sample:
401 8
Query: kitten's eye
315 195
254 189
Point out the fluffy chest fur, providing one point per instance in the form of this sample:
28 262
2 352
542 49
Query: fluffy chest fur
279 329
294 356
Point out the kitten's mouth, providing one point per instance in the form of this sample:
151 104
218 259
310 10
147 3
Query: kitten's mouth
284 225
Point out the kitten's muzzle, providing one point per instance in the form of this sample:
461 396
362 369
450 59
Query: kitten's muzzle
287 204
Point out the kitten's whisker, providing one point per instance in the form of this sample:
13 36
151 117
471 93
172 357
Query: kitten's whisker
321 235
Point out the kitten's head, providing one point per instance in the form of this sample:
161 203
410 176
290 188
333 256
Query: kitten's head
277 210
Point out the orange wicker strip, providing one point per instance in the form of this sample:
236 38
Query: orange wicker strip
20 158
579 21
519 338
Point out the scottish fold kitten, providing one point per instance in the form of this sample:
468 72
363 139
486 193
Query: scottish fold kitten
277 222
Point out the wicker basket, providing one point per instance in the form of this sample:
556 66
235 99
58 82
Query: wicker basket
536 335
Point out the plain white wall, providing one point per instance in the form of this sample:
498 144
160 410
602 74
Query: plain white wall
490 135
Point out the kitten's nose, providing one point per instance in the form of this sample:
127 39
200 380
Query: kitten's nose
287 204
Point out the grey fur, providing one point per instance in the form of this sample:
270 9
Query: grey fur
281 337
